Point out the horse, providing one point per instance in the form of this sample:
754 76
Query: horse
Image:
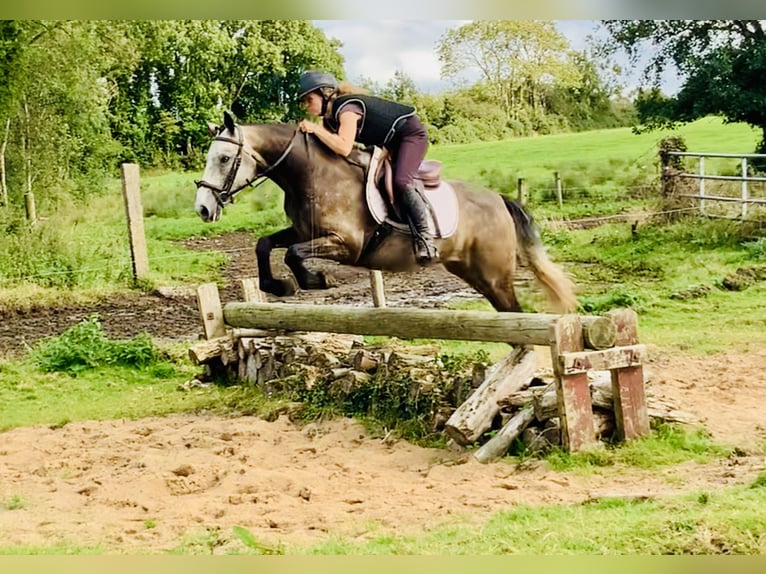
324 199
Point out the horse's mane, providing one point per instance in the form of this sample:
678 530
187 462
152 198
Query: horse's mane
359 156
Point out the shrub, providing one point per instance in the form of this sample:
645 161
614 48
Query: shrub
85 346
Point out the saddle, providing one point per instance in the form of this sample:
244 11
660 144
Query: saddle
438 194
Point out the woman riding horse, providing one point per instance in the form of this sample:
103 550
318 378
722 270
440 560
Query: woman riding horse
349 116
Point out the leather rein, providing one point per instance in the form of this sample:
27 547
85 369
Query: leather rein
225 194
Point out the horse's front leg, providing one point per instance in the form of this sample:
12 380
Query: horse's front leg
325 247
263 249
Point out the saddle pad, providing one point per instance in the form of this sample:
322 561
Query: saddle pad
442 199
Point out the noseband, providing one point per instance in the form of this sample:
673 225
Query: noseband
225 194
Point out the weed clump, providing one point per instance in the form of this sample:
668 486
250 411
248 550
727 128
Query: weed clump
86 346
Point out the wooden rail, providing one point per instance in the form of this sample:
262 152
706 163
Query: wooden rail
512 328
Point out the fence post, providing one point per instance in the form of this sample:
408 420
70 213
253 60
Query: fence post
131 193
559 194
744 188
29 206
521 191
702 184
378 290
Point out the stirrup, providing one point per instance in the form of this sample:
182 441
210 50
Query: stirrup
425 251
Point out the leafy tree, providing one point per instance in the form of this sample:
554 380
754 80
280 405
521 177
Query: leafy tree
595 101
722 63
188 72
516 59
56 100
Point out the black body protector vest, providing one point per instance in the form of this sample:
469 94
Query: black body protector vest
380 119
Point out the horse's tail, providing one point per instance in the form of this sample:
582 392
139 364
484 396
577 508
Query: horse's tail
556 284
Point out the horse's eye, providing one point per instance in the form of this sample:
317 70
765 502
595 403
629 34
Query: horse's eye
225 159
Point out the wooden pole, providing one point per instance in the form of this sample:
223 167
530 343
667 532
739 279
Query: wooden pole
29 205
250 291
630 411
521 191
211 314
702 184
131 193
475 415
3 183
378 289
574 402
513 328
499 444
744 188
559 194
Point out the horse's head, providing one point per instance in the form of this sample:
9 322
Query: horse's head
228 169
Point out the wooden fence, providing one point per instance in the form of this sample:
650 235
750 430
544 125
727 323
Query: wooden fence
745 196
577 345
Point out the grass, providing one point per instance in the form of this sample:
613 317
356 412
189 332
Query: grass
597 155
729 521
82 374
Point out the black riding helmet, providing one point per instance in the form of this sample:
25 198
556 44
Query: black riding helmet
311 81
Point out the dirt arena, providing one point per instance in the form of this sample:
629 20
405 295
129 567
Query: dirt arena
155 484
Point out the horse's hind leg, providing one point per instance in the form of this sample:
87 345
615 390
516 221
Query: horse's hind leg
326 247
496 285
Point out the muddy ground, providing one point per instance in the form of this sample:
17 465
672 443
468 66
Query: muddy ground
154 484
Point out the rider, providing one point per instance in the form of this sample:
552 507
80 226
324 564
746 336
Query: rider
351 116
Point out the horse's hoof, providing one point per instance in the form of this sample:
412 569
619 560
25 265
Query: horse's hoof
326 280
278 287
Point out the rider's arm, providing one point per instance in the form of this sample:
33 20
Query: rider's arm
341 142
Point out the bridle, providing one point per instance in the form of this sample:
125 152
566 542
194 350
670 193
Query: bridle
225 193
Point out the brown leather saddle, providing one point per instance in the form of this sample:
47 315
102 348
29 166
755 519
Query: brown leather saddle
429 174
439 195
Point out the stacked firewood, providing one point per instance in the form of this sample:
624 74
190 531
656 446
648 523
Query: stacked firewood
343 363
489 406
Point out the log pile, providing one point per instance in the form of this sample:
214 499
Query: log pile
489 406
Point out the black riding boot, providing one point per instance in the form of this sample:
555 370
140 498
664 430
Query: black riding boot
425 250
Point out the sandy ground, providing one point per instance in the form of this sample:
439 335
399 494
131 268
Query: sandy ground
154 484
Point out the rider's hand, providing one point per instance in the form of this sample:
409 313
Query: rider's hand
307 127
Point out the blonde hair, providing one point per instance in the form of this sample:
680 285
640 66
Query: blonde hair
344 89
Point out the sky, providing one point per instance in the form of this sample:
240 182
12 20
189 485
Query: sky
376 49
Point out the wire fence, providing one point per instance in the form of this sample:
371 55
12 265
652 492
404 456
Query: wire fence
124 263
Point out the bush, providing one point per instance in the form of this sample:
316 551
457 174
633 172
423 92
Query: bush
85 346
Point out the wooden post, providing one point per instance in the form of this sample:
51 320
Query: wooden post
630 412
702 184
521 191
250 291
131 193
475 415
211 313
744 188
378 289
3 183
559 194
573 394
29 205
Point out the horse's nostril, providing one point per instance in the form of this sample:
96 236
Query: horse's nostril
203 212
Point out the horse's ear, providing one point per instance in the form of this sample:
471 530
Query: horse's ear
228 121
212 129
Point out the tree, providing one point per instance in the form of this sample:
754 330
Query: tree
188 72
517 61
56 101
722 63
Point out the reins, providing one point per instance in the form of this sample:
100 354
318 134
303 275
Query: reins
225 194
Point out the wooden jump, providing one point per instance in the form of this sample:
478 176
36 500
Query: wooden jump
577 344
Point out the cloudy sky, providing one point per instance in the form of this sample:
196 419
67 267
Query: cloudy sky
375 49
